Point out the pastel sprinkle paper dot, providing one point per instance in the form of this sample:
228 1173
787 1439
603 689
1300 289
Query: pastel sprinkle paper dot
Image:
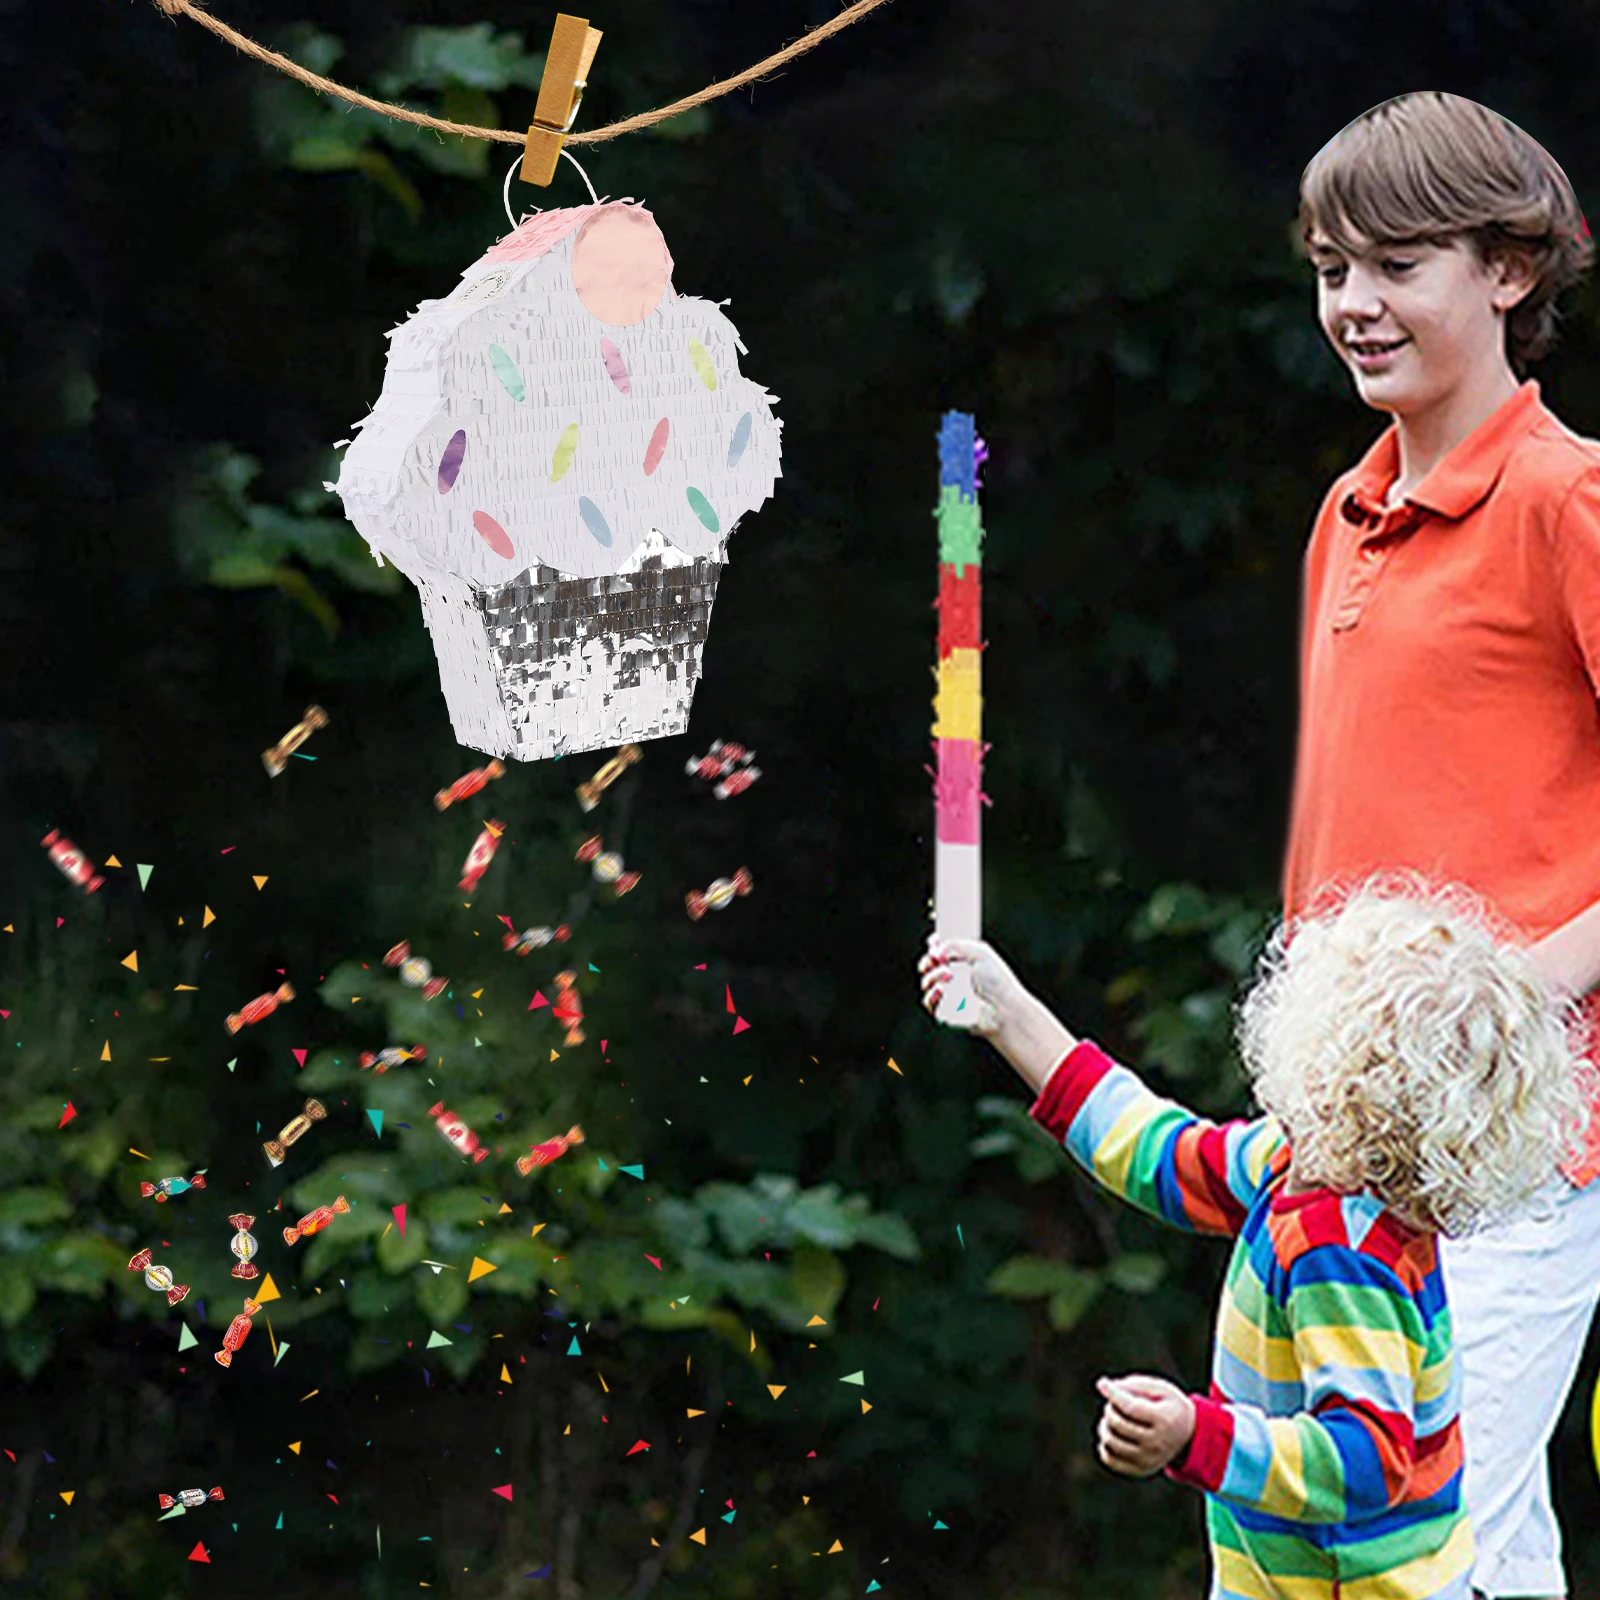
505 369
702 364
702 509
493 535
657 447
594 520
741 437
616 367
566 449
450 462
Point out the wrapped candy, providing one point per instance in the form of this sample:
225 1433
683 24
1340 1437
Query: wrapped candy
243 1246
457 1132
534 939
728 761
464 788
719 894
193 1499
262 1006
607 866
167 1187
72 861
277 758
393 1055
541 1155
415 972
589 793
315 1111
158 1278
568 1008
480 855
736 783
238 1329
315 1221
723 757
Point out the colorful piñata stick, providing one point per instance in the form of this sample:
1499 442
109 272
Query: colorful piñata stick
958 707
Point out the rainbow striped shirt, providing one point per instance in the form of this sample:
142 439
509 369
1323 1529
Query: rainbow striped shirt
1328 1447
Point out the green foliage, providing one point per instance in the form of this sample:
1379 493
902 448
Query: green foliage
1015 1133
460 71
223 537
1070 1290
1199 950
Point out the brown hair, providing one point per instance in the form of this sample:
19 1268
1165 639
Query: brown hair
1436 167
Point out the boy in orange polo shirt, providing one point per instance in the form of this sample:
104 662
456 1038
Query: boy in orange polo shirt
1450 667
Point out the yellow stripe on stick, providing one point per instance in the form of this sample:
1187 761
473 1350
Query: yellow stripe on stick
958 706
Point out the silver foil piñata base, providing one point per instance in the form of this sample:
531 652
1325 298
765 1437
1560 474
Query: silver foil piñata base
578 663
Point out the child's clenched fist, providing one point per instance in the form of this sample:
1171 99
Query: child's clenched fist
1147 1423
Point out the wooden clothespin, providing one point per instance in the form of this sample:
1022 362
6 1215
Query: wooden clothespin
566 72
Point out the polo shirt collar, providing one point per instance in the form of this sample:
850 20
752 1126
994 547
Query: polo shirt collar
1466 475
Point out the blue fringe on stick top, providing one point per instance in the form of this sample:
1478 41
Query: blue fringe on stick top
958 453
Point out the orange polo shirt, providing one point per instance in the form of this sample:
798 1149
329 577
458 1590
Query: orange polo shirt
1450 664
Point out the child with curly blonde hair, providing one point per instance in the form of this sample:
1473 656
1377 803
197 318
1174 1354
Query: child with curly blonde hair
1418 1077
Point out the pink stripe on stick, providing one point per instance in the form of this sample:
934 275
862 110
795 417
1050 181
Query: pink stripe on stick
957 790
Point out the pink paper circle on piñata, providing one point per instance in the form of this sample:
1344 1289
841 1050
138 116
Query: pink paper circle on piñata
616 367
657 446
493 535
620 265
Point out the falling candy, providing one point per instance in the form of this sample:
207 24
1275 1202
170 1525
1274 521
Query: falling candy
315 1221
237 1331
457 1132
480 855
541 1155
262 1006
534 939
192 1498
167 1187
393 1056
568 1009
719 894
467 786
729 762
243 1245
277 758
158 1278
415 971
589 793
72 862
607 866
315 1111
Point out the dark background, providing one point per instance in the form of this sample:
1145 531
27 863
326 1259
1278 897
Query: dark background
1072 220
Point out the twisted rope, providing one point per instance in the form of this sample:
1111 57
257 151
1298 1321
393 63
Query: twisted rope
645 119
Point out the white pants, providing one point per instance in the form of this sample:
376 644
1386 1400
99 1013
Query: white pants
1521 1299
